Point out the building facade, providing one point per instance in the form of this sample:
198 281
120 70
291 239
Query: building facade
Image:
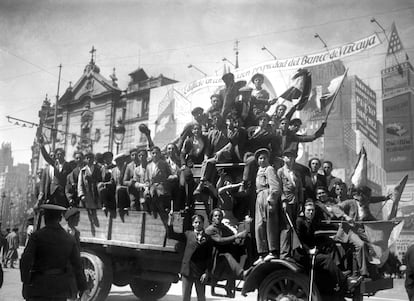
14 189
95 115
352 124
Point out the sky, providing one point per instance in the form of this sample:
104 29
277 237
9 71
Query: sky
164 37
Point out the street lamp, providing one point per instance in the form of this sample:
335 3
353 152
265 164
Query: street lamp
119 133
196 68
268 51
227 60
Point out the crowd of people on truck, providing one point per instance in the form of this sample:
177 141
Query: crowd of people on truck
284 199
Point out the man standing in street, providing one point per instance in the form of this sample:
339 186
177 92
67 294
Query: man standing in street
13 244
51 267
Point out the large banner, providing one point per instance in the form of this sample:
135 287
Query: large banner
398 138
303 61
171 105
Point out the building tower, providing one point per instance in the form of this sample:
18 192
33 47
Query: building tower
398 110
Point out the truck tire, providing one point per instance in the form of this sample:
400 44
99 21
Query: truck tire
286 282
149 290
98 272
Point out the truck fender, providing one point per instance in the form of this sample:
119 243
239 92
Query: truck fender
260 271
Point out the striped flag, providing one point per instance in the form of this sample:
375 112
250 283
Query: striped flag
378 234
359 177
328 98
396 196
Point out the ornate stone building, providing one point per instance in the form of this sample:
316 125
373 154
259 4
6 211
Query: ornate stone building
96 115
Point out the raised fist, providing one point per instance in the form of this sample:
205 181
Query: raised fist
144 129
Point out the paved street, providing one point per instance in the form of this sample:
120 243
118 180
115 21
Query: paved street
11 291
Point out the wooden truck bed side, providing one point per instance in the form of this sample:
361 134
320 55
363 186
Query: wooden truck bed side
136 229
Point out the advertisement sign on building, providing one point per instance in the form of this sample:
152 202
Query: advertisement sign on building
398 140
366 111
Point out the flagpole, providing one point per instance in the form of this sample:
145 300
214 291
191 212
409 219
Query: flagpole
336 94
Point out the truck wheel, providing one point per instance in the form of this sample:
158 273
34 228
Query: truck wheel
149 290
98 272
285 283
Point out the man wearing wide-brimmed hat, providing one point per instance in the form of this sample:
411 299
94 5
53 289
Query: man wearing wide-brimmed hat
51 267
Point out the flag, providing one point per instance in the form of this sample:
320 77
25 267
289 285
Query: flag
396 196
359 176
333 90
395 44
378 234
165 125
395 233
300 88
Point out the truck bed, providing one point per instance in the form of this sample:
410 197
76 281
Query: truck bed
136 229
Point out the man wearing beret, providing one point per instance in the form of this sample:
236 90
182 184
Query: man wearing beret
51 267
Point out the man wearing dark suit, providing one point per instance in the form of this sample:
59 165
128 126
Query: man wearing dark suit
313 179
327 275
52 188
71 189
197 259
51 267
128 179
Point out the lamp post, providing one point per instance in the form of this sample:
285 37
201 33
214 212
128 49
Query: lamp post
264 48
3 199
119 133
227 60
196 68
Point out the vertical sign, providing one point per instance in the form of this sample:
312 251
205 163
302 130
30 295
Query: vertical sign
366 111
398 141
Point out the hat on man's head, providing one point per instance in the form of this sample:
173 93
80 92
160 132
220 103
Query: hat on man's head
134 150
289 153
227 76
108 155
120 157
197 111
71 212
257 75
52 207
260 151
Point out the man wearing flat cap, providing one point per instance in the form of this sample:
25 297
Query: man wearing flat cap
51 267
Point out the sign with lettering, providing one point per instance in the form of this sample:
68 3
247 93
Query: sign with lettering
366 111
303 61
398 140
